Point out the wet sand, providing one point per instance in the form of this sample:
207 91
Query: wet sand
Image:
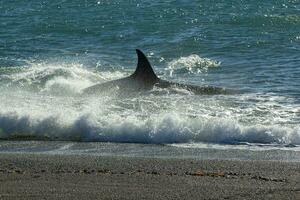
41 176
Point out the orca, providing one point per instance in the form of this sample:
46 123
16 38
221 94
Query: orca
144 78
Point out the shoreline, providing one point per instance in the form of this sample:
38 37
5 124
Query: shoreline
201 151
42 176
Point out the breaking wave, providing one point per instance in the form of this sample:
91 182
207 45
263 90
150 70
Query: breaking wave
42 101
163 128
53 77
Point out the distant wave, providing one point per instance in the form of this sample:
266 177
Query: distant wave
191 64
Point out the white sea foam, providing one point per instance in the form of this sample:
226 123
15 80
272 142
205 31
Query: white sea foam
191 64
159 116
56 77
162 128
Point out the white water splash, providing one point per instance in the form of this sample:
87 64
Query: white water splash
191 64
159 116
56 77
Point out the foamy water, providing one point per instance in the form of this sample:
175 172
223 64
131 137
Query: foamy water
44 101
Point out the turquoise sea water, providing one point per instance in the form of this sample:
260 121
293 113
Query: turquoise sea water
51 50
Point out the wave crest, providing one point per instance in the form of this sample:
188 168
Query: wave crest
54 78
191 64
157 129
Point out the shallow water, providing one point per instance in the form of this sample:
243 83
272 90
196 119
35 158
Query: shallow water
199 151
51 51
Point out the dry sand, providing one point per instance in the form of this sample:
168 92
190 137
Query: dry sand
40 176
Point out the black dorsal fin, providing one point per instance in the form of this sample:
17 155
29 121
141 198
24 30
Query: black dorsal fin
144 71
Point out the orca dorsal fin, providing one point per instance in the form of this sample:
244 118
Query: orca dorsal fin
144 71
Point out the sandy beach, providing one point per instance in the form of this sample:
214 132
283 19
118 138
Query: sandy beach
41 176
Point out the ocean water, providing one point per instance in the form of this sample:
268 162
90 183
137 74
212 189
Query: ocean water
51 50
